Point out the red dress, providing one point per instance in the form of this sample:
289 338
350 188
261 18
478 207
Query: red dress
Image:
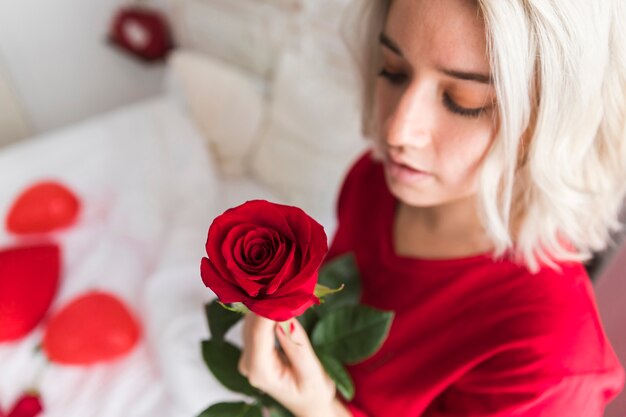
471 336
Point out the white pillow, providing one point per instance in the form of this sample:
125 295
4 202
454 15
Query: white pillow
225 103
313 128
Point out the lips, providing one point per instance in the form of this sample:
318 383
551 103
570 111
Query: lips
402 172
402 164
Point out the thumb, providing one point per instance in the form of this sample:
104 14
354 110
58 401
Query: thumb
298 350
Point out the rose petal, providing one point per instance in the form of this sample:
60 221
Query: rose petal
233 248
245 281
220 243
234 235
305 280
313 251
259 253
212 248
242 277
264 213
288 272
280 256
304 228
282 308
251 243
266 244
225 291
240 257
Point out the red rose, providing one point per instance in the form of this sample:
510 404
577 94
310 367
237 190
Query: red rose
265 256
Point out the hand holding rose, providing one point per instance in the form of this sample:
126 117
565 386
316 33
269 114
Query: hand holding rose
294 377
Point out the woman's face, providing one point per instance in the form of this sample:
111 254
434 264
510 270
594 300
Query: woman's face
435 100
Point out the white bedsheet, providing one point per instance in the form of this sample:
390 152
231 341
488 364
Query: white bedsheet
149 191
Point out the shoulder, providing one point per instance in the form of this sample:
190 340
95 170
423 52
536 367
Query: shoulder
562 288
550 318
547 338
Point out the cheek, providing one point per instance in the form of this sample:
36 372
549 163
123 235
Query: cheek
461 156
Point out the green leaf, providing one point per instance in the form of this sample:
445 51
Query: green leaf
352 333
275 408
323 291
235 307
338 373
239 409
340 271
280 412
220 319
222 358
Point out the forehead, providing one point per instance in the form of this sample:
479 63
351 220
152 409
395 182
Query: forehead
448 32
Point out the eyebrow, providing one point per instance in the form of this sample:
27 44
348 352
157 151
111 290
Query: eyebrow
385 40
461 75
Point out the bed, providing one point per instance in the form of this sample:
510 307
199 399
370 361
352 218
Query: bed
232 124
148 188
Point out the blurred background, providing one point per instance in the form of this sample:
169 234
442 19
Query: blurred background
157 115
58 68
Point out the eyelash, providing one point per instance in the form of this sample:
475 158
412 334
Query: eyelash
398 79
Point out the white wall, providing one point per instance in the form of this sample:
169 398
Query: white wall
13 122
59 63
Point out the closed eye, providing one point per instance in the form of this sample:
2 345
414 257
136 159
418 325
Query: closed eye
463 111
400 78
394 78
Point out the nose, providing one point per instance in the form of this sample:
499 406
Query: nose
411 122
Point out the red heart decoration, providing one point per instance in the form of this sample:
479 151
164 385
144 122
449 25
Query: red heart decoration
141 31
29 279
28 405
94 327
41 208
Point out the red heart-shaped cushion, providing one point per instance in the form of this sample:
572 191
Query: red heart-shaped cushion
28 405
29 279
41 208
94 327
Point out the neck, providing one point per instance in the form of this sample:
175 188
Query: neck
456 218
448 230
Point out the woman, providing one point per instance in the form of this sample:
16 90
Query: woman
497 166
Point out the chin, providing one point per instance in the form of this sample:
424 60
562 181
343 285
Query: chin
414 196
423 195
418 201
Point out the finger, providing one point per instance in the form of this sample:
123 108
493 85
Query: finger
299 351
251 327
262 358
244 361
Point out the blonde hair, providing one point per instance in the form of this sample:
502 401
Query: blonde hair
552 185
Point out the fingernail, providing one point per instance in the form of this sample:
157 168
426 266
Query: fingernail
292 327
